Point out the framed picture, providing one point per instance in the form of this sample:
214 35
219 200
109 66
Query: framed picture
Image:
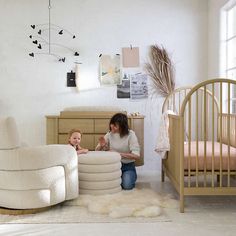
123 90
138 86
110 70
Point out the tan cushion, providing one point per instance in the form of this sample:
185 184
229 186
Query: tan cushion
100 176
100 184
208 162
100 191
99 158
9 137
99 168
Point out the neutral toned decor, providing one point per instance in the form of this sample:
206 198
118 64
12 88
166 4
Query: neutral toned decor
202 156
99 172
93 122
125 206
161 71
132 203
109 67
33 178
42 38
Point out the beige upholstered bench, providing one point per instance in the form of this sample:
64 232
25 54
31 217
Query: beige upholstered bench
99 172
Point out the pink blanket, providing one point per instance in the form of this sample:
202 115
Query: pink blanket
207 159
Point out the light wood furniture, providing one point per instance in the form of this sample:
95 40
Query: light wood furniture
202 135
93 124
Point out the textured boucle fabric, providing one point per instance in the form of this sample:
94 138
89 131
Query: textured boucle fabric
32 189
99 176
99 172
99 158
100 191
9 137
33 177
107 168
100 184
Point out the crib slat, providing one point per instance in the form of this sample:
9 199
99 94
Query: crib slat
205 133
235 131
181 171
207 115
197 151
213 138
221 134
202 115
228 135
185 115
189 142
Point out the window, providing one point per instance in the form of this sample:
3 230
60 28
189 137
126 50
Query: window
228 32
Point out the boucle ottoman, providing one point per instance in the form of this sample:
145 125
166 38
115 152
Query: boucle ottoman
99 172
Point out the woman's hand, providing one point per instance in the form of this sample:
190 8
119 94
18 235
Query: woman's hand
102 145
130 156
102 141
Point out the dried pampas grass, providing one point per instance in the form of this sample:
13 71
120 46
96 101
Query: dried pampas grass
161 71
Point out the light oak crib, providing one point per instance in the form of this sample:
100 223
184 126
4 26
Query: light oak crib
202 156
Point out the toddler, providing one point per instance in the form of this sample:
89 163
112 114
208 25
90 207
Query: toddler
75 139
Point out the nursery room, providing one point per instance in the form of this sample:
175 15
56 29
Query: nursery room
117 117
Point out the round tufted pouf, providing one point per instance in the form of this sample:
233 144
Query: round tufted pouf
99 172
99 176
95 168
100 192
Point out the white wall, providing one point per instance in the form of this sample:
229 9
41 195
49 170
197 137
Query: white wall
34 87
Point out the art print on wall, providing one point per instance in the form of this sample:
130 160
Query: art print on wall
110 70
123 90
130 57
138 86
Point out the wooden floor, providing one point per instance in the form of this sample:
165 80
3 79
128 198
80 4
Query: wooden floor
208 216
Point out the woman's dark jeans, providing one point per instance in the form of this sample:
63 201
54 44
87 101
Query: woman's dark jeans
129 176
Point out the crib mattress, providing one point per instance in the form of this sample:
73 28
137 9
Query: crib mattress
207 159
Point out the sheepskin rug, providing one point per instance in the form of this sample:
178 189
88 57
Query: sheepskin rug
132 203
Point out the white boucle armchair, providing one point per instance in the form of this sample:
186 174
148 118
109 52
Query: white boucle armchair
34 177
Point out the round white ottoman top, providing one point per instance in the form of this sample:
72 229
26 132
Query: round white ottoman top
99 158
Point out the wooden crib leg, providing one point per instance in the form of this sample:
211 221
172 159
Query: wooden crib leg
162 172
162 175
181 198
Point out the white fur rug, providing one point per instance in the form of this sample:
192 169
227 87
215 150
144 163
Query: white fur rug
135 206
133 203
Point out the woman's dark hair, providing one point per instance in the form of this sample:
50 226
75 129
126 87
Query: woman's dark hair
121 120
